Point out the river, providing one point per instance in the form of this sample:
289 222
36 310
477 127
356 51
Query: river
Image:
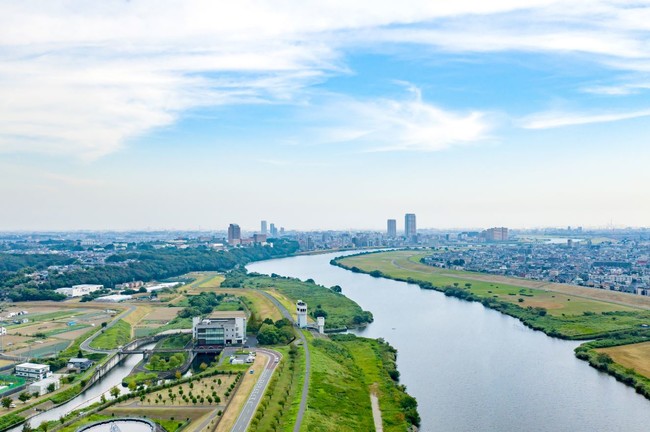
475 369
92 395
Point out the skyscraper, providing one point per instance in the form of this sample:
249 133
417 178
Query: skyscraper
274 230
391 228
410 230
263 227
234 233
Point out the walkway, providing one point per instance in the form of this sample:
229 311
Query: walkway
305 384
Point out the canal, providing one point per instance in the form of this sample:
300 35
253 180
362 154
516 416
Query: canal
474 369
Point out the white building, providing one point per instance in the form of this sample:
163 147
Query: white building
3 331
321 324
221 328
42 387
114 298
32 371
301 312
79 290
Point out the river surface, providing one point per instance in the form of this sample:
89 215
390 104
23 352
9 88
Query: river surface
475 369
92 395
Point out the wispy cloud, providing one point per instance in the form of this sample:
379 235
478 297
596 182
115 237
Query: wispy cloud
551 120
408 124
84 78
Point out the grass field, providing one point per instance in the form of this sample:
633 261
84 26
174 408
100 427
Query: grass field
191 394
557 314
111 338
635 356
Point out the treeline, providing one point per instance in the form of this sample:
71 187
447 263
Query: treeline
145 264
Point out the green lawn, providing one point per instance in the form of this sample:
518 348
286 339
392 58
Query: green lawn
554 313
111 338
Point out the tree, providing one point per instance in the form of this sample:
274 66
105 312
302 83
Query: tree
203 366
51 387
27 427
6 402
115 392
24 397
132 386
104 324
103 399
178 375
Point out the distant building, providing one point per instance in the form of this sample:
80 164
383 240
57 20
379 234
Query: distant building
410 229
32 371
391 228
274 230
259 238
114 298
301 312
43 386
79 290
495 234
221 328
263 227
234 234
3 331
80 364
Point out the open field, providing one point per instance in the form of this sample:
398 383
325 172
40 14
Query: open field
556 313
183 395
259 304
635 356
557 298
113 337
204 281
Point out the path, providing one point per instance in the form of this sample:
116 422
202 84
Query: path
85 345
376 412
305 384
257 393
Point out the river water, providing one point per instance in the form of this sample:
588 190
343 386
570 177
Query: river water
474 369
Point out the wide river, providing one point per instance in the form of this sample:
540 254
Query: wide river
474 369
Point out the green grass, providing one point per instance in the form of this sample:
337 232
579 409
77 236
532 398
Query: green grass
341 311
66 329
111 338
140 378
278 408
554 313
174 341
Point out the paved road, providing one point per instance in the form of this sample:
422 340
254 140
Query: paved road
305 384
85 345
256 395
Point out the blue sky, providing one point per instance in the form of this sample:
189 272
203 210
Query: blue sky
192 114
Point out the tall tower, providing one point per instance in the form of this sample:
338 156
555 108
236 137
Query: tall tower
234 233
410 230
263 227
321 324
301 311
391 228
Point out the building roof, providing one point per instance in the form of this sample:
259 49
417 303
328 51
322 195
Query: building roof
78 360
226 314
33 366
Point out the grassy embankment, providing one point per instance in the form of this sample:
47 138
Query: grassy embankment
618 327
344 370
113 337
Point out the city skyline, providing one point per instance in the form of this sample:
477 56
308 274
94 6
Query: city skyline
124 115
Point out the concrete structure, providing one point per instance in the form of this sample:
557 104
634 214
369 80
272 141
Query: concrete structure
221 328
321 324
495 234
79 364
410 228
301 311
3 331
114 298
42 387
234 233
263 231
79 290
32 371
391 228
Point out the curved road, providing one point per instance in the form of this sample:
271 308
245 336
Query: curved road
85 345
305 384
257 393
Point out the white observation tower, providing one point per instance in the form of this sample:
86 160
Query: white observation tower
301 311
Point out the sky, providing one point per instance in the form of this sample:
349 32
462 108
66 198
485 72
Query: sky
191 114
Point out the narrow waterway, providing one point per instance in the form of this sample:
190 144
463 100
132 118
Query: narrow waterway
92 395
474 369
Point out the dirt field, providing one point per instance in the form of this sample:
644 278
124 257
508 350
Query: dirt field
164 314
635 356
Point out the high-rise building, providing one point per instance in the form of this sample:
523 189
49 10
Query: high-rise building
263 228
495 234
391 228
274 230
410 230
234 233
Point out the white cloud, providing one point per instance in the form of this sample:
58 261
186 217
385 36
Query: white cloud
409 124
83 78
556 119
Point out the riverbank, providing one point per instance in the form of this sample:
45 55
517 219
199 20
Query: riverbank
555 314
